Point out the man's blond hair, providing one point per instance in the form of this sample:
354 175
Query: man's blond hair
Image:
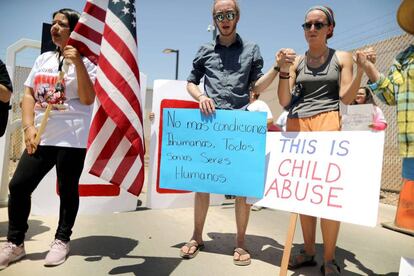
236 6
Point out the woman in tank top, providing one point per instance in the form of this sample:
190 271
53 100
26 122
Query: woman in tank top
318 81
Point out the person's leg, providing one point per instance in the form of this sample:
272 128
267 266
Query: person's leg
308 225
29 172
201 204
242 219
330 230
69 167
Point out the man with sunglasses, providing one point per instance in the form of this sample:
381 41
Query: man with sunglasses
230 66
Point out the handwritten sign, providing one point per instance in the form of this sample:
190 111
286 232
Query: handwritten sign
357 117
223 153
334 175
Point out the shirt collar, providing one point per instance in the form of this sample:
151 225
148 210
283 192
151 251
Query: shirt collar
238 42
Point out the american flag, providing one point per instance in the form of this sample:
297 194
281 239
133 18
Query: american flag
106 34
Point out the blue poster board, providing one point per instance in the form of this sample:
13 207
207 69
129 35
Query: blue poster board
223 153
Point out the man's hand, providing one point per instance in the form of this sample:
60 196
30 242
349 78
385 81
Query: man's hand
285 58
371 54
206 105
364 58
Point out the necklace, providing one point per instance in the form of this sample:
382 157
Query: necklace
317 59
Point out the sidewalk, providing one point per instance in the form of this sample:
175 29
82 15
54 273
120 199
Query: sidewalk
146 242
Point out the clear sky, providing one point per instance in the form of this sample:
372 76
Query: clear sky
182 24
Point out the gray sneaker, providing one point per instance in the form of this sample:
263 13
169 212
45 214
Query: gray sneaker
11 253
57 253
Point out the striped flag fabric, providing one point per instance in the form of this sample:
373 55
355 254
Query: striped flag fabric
106 34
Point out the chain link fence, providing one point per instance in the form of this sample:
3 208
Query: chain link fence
387 50
16 139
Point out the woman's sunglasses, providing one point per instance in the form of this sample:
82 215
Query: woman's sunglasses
318 25
230 15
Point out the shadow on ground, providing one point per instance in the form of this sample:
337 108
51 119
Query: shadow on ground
35 228
261 248
94 248
270 251
149 266
342 255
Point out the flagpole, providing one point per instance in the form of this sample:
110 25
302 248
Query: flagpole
43 124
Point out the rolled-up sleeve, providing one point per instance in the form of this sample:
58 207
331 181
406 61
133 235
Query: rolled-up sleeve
397 79
384 88
257 65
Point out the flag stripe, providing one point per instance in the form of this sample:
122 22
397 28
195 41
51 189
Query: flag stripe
134 178
86 31
130 100
114 44
96 10
85 46
127 162
101 130
112 23
99 118
106 153
118 108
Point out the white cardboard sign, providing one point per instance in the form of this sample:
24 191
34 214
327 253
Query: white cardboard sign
334 175
406 267
357 117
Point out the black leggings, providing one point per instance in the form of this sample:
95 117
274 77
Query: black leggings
29 172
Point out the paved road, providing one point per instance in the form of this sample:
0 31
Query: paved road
146 242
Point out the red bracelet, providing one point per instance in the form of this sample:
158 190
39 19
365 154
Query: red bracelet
284 75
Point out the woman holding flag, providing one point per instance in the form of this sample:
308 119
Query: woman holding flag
59 91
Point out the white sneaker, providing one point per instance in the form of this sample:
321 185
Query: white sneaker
57 253
11 253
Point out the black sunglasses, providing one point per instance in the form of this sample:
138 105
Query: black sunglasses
318 25
230 15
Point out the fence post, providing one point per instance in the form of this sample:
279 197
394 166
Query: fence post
11 52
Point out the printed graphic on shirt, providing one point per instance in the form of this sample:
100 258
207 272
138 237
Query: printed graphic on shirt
48 89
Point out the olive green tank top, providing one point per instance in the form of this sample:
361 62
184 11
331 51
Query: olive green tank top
316 89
